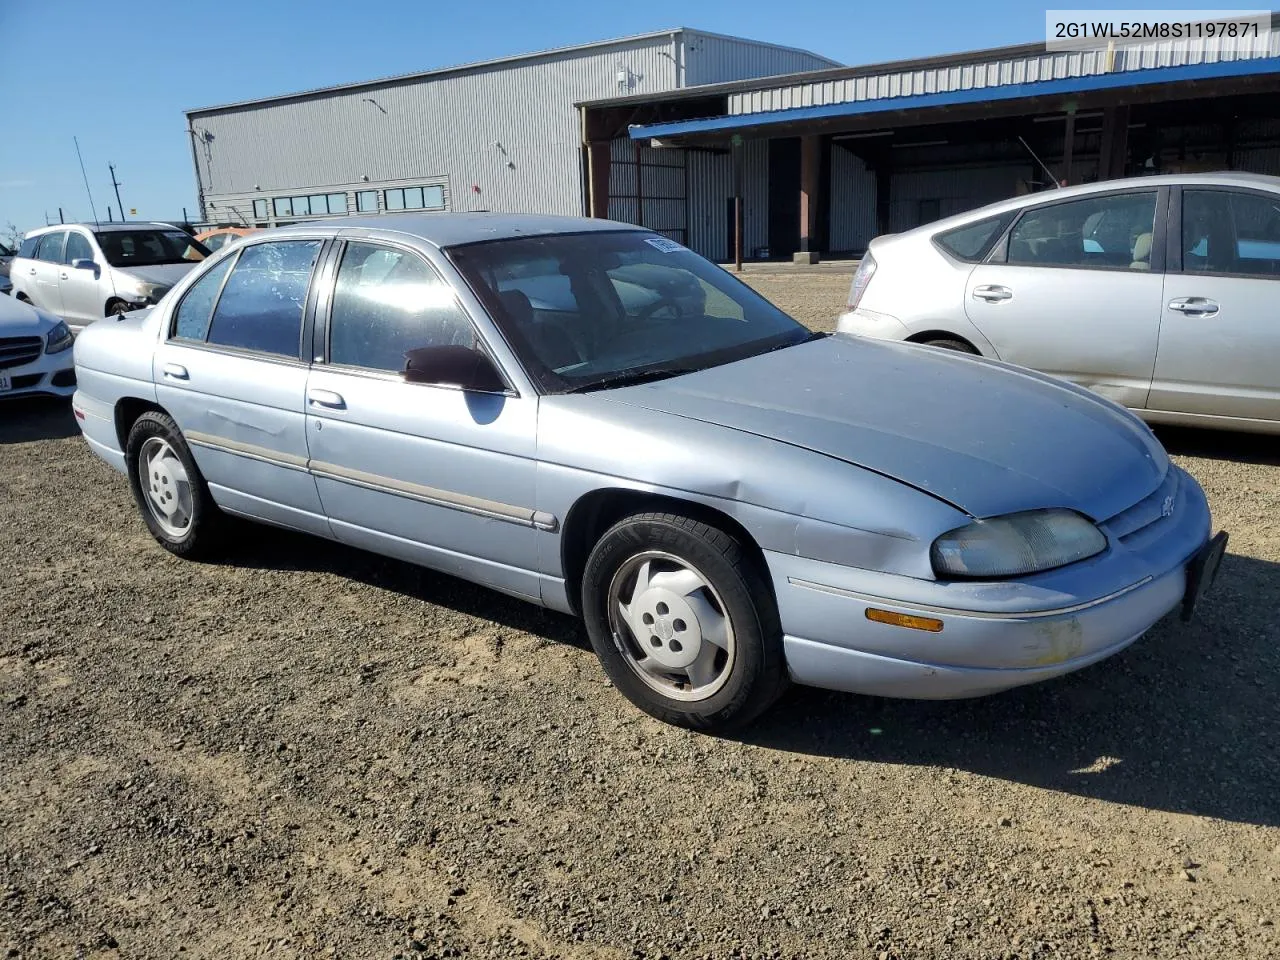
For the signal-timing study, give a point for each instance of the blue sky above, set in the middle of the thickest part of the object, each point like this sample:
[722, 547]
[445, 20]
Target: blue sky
[118, 73]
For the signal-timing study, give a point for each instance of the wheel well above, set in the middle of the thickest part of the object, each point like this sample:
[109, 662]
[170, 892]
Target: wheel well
[597, 511]
[111, 301]
[127, 412]
[942, 335]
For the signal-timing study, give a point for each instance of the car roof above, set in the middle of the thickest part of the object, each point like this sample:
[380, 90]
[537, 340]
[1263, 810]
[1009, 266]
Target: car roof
[102, 227]
[453, 229]
[1225, 178]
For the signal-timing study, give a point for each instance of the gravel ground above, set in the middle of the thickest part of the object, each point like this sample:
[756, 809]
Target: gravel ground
[311, 751]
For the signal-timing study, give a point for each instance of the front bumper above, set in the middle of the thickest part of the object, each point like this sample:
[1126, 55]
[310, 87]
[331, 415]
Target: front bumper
[48, 375]
[1002, 635]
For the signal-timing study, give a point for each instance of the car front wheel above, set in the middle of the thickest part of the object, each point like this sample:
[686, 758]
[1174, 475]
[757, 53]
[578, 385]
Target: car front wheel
[683, 621]
[170, 490]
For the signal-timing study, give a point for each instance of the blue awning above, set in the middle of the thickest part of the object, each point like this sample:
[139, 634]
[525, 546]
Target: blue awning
[1015, 91]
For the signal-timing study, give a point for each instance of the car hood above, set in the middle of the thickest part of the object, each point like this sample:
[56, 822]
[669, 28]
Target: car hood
[166, 274]
[18, 319]
[985, 437]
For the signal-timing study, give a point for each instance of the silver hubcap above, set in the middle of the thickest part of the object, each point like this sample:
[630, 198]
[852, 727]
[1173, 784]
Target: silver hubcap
[670, 626]
[166, 486]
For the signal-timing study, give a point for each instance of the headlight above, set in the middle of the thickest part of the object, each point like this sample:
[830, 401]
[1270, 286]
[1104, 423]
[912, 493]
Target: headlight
[1015, 545]
[148, 293]
[58, 339]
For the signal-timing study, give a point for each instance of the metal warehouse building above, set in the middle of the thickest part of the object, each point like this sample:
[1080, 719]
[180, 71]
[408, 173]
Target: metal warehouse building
[727, 144]
[499, 135]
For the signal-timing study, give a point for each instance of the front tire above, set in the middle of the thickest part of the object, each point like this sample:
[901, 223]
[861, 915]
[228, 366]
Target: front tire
[169, 489]
[683, 621]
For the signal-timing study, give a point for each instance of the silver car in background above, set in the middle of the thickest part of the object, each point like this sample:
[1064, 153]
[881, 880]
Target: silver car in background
[1158, 293]
[82, 272]
[589, 416]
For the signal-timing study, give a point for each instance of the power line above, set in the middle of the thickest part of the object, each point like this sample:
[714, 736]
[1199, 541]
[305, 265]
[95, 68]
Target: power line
[86, 180]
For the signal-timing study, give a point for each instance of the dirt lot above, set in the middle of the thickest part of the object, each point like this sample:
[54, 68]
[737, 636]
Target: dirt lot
[310, 751]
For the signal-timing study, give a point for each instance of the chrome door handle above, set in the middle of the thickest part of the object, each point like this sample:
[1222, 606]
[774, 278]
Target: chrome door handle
[992, 293]
[1195, 306]
[326, 398]
[176, 371]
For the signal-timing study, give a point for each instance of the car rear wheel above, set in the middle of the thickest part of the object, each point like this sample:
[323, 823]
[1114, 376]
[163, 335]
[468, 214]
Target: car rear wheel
[947, 343]
[170, 490]
[117, 308]
[683, 621]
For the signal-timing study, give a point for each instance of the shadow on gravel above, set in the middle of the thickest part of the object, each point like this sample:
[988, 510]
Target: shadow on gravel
[1186, 720]
[28, 419]
[284, 550]
[1257, 448]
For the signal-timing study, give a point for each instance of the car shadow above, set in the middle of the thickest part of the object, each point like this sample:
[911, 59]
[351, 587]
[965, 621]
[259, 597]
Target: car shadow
[1259, 448]
[29, 419]
[1186, 720]
[286, 550]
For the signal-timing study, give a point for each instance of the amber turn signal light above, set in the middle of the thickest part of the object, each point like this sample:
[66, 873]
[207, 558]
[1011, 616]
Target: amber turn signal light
[904, 620]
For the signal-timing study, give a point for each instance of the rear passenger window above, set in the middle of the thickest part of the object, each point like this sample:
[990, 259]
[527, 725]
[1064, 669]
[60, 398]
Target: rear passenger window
[28, 249]
[388, 302]
[50, 249]
[261, 304]
[191, 321]
[1110, 232]
[1230, 233]
[971, 242]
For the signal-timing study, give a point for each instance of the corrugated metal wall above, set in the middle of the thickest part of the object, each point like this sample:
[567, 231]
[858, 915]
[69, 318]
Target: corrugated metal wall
[509, 129]
[710, 58]
[651, 178]
[922, 196]
[524, 155]
[1029, 69]
[853, 202]
[711, 186]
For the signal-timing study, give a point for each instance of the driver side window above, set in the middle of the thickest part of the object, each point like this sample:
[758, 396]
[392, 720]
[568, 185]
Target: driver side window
[387, 302]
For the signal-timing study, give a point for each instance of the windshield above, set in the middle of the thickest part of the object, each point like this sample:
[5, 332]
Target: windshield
[147, 248]
[598, 309]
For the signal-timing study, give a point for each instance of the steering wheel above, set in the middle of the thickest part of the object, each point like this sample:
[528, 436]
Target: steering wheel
[647, 312]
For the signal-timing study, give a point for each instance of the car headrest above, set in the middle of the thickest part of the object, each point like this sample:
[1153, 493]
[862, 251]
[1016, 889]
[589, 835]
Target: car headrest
[517, 305]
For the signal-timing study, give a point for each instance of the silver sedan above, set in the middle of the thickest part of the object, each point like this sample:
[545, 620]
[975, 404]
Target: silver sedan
[1156, 292]
[590, 417]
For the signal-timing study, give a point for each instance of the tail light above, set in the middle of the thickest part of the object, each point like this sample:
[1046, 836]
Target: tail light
[861, 280]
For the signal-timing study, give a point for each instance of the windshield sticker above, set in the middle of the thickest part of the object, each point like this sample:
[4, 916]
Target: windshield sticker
[663, 244]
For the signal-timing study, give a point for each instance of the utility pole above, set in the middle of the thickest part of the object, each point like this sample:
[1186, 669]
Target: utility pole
[116, 183]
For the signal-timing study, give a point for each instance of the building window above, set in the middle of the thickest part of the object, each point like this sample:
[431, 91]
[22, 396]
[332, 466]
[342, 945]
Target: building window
[316, 205]
[415, 198]
[260, 209]
[367, 201]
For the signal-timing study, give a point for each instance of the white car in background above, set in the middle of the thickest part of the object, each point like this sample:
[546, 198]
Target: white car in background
[84, 272]
[1156, 292]
[35, 352]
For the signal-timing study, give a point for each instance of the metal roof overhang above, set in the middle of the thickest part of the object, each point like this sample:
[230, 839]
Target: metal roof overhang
[1135, 86]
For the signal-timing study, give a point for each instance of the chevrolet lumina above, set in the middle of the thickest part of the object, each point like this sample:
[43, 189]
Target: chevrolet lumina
[591, 417]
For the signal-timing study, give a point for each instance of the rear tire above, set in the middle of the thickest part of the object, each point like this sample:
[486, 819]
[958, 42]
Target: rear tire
[947, 343]
[169, 489]
[684, 622]
[117, 308]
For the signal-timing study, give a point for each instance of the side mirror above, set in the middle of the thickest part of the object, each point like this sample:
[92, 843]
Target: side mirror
[453, 366]
[85, 264]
